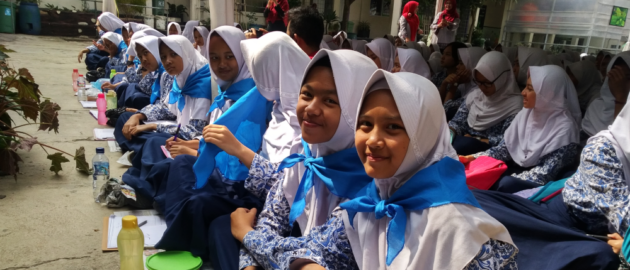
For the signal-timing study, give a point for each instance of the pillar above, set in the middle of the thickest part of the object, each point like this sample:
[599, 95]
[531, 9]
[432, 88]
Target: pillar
[221, 13]
[396, 12]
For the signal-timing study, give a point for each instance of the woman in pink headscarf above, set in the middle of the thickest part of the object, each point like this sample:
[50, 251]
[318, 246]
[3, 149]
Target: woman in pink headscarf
[275, 15]
[409, 23]
[445, 25]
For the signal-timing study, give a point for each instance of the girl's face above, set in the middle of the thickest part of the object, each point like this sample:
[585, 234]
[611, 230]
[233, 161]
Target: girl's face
[373, 56]
[448, 5]
[381, 139]
[198, 38]
[172, 30]
[397, 66]
[529, 95]
[318, 109]
[447, 60]
[222, 60]
[487, 87]
[173, 63]
[112, 49]
[146, 58]
[126, 37]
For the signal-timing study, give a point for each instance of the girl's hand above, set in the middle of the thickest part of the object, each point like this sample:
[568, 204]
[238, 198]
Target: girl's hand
[131, 110]
[130, 126]
[106, 85]
[142, 128]
[170, 142]
[466, 159]
[243, 221]
[616, 242]
[180, 149]
[223, 138]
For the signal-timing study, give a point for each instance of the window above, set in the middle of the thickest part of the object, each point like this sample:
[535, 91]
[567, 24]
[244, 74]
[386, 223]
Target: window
[380, 7]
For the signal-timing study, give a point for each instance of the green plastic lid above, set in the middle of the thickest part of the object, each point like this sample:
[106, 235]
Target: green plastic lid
[174, 260]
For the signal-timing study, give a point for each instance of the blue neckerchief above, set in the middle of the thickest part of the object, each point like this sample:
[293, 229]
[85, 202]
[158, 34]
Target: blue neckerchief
[121, 46]
[441, 183]
[156, 87]
[342, 173]
[198, 85]
[234, 92]
[136, 61]
[118, 31]
[246, 119]
[625, 248]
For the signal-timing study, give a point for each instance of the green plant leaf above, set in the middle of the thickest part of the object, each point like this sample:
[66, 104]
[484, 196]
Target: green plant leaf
[9, 162]
[4, 49]
[82, 164]
[49, 116]
[57, 159]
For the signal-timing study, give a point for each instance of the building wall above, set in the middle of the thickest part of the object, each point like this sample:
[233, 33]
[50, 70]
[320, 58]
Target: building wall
[360, 11]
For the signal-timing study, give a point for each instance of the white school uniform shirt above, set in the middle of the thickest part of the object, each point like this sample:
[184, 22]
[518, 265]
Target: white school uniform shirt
[444, 237]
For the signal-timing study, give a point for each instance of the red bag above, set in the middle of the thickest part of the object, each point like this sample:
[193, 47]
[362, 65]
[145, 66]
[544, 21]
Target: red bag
[483, 172]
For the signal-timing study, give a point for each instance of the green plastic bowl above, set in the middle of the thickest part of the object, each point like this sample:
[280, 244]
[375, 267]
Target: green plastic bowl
[174, 260]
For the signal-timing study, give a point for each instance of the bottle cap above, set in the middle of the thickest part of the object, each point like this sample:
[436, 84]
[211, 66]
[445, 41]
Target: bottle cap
[129, 222]
[75, 70]
[101, 95]
[100, 150]
[80, 75]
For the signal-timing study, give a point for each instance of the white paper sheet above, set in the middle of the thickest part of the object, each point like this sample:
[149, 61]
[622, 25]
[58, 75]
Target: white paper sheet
[88, 104]
[94, 114]
[103, 134]
[152, 230]
[113, 146]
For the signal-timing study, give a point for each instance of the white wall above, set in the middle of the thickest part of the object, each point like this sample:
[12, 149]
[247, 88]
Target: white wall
[360, 11]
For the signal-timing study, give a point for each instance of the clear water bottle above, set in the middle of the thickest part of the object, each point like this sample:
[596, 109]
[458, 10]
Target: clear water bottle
[130, 244]
[81, 88]
[100, 163]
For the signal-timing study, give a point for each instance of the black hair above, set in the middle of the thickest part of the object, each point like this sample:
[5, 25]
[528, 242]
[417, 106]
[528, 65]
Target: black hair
[620, 62]
[455, 48]
[308, 24]
[324, 62]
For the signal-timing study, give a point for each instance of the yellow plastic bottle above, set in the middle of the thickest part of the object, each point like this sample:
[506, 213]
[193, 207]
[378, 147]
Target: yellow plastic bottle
[112, 101]
[130, 244]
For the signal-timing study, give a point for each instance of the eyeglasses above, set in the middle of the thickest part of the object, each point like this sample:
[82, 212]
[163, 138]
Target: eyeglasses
[488, 84]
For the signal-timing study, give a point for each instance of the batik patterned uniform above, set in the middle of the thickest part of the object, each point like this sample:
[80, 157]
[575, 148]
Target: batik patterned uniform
[459, 124]
[547, 168]
[133, 75]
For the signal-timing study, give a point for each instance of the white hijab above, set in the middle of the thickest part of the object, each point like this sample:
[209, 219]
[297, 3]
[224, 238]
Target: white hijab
[177, 26]
[385, 51]
[435, 62]
[151, 43]
[359, 46]
[484, 111]
[205, 34]
[141, 34]
[529, 57]
[443, 237]
[233, 37]
[113, 37]
[551, 124]
[511, 53]
[411, 61]
[193, 61]
[351, 71]
[470, 57]
[188, 30]
[328, 43]
[588, 80]
[619, 134]
[601, 111]
[110, 22]
[277, 63]
[425, 50]
[135, 27]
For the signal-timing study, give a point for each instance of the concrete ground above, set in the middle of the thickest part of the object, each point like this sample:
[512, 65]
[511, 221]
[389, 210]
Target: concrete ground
[50, 221]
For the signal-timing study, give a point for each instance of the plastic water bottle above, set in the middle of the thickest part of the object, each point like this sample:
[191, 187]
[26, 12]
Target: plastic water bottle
[112, 101]
[100, 163]
[75, 76]
[130, 244]
[112, 73]
[81, 88]
[101, 104]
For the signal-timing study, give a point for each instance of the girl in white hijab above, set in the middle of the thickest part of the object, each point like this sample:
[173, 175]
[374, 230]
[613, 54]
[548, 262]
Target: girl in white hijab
[307, 198]
[469, 57]
[359, 46]
[586, 80]
[110, 22]
[117, 49]
[489, 109]
[528, 57]
[410, 60]
[328, 42]
[201, 34]
[544, 138]
[601, 112]
[414, 215]
[188, 30]
[382, 52]
[174, 29]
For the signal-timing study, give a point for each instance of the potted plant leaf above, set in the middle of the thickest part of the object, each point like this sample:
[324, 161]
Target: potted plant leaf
[363, 29]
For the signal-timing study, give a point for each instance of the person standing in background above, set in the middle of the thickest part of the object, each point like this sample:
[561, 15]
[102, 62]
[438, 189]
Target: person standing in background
[445, 25]
[275, 15]
[409, 23]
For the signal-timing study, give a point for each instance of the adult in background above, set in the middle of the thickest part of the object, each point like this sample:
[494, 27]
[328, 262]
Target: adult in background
[409, 23]
[275, 15]
[445, 25]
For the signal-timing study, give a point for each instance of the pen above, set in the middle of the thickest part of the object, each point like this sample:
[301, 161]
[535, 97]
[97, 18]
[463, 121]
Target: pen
[177, 132]
[600, 237]
[142, 224]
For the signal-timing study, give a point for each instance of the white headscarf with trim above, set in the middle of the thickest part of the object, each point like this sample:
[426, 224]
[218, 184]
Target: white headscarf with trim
[177, 26]
[141, 34]
[385, 51]
[233, 37]
[110, 21]
[193, 60]
[203, 31]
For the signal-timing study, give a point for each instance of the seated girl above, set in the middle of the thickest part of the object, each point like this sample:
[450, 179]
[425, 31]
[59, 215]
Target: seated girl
[189, 212]
[201, 34]
[174, 29]
[543, 140]
[410, 60]
[188, 101]
[456, 94]
[96, 54]
[417, 213]
[117, 49]
[313, 182]
[189, 29]
[382, 52]
[586, 80]
[600, 113]
[489, 110]
[594, 200]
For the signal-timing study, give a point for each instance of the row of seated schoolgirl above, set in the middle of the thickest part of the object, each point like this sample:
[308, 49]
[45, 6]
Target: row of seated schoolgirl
[313, 157]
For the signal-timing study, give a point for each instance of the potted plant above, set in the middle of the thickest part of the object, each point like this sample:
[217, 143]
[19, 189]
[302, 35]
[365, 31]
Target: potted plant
[330, 17]
[177, 11]
[363, 29]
